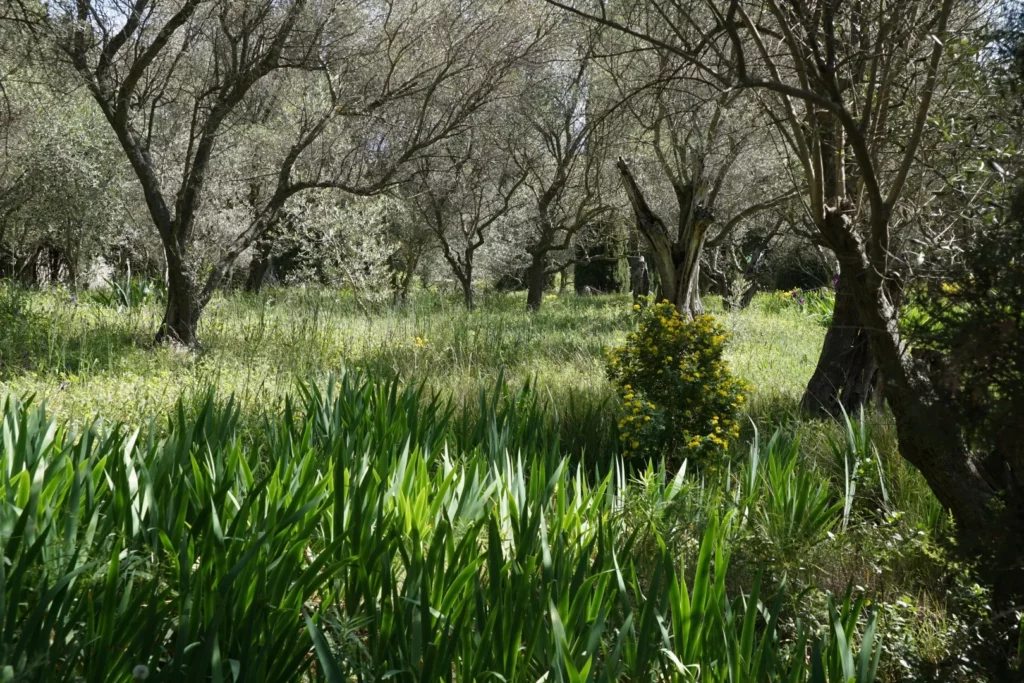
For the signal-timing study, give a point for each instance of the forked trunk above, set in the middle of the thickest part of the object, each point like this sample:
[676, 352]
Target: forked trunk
[843, 378]
[677, 261]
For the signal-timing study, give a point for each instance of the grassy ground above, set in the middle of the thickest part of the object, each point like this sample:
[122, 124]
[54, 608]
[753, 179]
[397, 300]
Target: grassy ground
[85, 358]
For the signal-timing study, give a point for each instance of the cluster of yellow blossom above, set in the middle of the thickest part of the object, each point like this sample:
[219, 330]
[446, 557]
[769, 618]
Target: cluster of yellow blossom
[674, 384]
[420, 341]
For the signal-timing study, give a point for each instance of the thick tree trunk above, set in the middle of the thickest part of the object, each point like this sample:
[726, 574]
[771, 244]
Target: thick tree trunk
[843, 378]
[536, 279]
[986, 501]
[694, 303]
[676, 260]
[184, 305]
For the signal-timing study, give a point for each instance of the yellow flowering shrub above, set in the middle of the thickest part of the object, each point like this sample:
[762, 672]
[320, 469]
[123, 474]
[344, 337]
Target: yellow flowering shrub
[677, 394]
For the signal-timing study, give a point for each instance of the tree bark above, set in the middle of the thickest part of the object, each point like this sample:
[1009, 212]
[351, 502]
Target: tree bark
[184, 305]
[467, 291]
[986, 502]
[676, 260]
[843, 378]
[536, 279]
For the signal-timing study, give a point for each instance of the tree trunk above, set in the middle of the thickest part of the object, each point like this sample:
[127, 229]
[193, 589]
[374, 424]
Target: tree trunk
[405, 287]
[467, 291]
[846, 367]
[639, 277]
[563, 281]
[258, 268]
[184, 305]
[677, 261]
[536, 278]
[749, 293]
[987, 502]
[696, 306]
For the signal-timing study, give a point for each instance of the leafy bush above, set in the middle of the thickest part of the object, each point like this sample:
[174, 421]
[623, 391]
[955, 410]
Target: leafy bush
[129, 292]
[819, 305]
[676, 390]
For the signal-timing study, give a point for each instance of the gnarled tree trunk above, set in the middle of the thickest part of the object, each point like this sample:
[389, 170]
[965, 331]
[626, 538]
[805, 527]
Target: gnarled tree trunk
[676, 260]
[985, 498]
[843, 378]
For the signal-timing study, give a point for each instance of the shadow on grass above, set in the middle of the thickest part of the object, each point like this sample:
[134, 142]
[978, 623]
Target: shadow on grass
[65, 337]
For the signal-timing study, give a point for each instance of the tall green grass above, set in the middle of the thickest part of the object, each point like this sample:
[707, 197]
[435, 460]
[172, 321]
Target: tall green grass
[374, 532]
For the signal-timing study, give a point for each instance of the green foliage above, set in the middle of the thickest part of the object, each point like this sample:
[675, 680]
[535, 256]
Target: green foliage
[129, 292]
[799, 510]
[817, 305]
[675, 386]
[973, 321]
[357, 540]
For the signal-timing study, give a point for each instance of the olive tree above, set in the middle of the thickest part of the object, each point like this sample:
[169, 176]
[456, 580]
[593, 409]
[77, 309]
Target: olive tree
[462, 191]
[566, 119]
[852, 85]
[368, 85]
[696, 165]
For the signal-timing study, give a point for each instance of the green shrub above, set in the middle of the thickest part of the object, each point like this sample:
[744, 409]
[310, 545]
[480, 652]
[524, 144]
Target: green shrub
[676, 390]
[129, 292]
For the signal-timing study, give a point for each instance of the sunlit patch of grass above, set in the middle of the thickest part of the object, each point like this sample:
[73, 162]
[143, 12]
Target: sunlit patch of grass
[88, 359]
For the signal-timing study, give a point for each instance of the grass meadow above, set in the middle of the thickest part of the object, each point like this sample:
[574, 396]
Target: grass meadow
[419, 493]
[85, 358]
